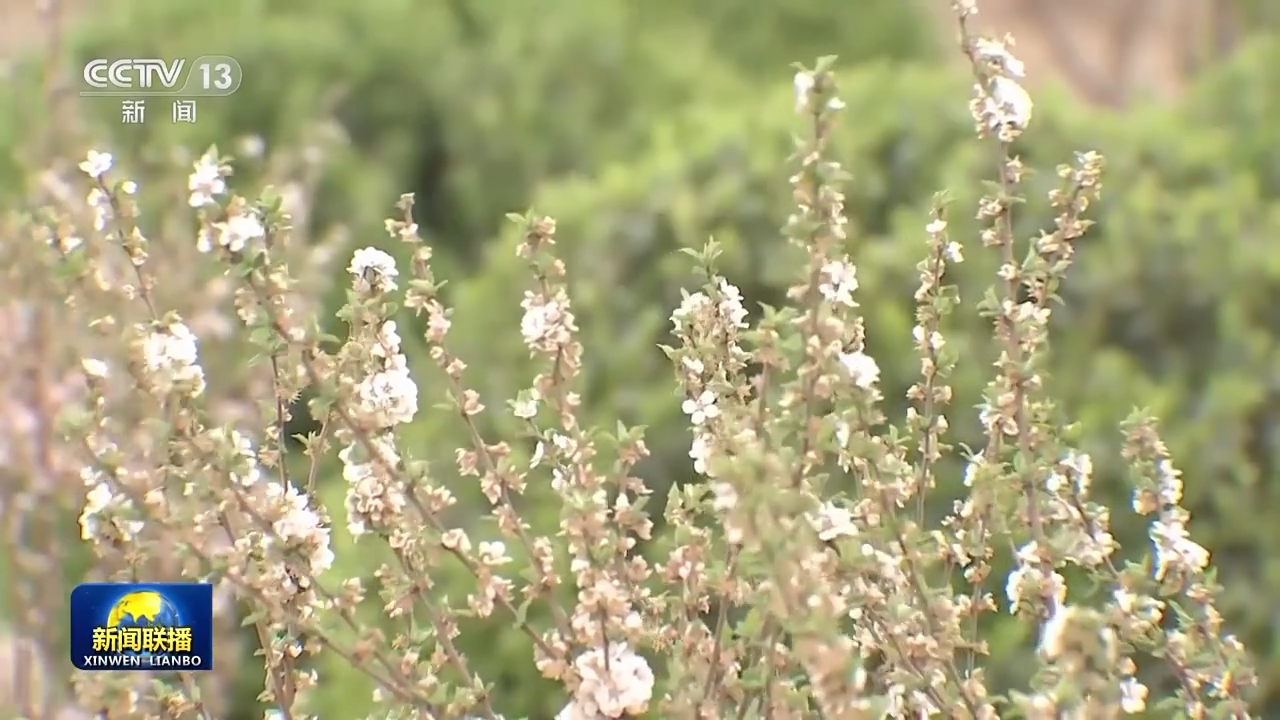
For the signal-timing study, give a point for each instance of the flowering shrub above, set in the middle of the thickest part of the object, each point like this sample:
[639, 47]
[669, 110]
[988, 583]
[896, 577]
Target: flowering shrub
[805, 577]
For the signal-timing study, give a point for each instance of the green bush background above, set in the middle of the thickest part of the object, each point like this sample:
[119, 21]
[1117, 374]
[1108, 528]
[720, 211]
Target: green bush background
[646, 127]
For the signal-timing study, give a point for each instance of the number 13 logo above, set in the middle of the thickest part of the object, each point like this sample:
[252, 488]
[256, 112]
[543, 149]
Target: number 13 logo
[222, 71]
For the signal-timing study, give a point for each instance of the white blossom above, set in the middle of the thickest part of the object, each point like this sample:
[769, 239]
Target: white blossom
[690, 307]
[99, 202]
[547, 323]
[1030, 573]
[97, 164]
[372, 494]
[832, 521]
[1008, 104]
[954, 253]
[389, 397]
[374, 271]
[695, 366]
[998, 53]
[862, 368]
[96, 500]
[724, 497]
[170, 357]
[1175, 551]
[619, 686]
[839, 280]
[456, 539]
[206, 182]
[936, 340]
[233, 234]
[387, 345]
[493, 553]
[702, 408]
[1169, 485]
[700, 451]
[244, 471]
[525, 409]
[1133, 696]
[731, 308]
[1051, 635]
[803, 84]
[94, 368]
[299, 525]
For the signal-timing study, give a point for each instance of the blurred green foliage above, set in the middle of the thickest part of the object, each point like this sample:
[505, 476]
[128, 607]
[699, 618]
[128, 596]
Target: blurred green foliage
[648, 127]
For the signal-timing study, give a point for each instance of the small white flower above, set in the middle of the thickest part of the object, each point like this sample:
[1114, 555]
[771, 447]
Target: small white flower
[831, 521]
[862, 368]
[701, 408]
[689, 308]
[456, 539]
[700, 452]
[493, 553]
[94, 368]
[374, 270]
[803, 84]
[1008, 104]
[237, 231]
[438, 324]
[936, 340]
[97, 499]
[998, 53]
[844, 433]
[547, 324]
[615, 687]
[171, 357]
[389, 397]
[1052, 635]
[1081, 465]
[731, 304]
[953, 253]
[1133, 696]
[97, 164]
[246, 471]
[1027, 564]
[371, 496]
[539, 322]
[100, 203]
[1175, 551]
[206, 182]
[388, 344]
[525, 409]
[839, 280]
[724, 497]
[1170, 484]
[693, 365]
[299, 525]
[174, 344]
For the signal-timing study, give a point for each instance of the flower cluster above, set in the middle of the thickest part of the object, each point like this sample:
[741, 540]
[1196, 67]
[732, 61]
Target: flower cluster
[169, 358]
[614, 683]
[385, 397]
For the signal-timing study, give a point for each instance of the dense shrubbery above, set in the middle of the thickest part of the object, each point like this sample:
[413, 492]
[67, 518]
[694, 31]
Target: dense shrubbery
[650, 132]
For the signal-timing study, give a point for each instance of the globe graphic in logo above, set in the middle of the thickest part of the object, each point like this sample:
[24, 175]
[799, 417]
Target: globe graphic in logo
[143, 609]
